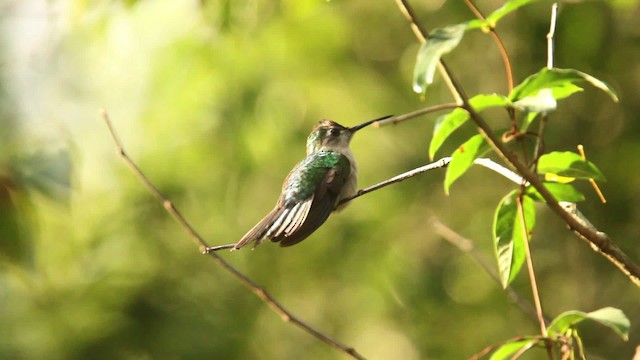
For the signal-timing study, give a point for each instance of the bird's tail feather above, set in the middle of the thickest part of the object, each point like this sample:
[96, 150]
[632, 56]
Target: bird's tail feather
[258, 232]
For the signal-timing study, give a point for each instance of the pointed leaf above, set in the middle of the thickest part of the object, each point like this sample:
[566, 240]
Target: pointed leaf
[542, 101]
[609, 316]
[562, 192]
[505, 351]
[447, 124]
[463, 157]
[508, 239]
[494, 17]
[568, 164]
[439, 42]
[560, 82]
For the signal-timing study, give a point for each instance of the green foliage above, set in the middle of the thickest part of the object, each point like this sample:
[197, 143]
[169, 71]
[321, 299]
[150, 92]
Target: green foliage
[562, 330]
[505, 351]
[447, 124]
[568, 164]
[561, 192]
[214, 101]
[509, 234]
[462, 159]
[439, 42]
[491, 21]
[610, 317]
[560, 82]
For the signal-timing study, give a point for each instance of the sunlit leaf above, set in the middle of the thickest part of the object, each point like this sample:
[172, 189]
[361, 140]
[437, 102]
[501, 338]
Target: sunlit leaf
[508, 239]
[494, 17]
[562, 192]
[557, 178]
[447, 124]
[439, 42]
[569, 164]
[609, 316]
[505, 351]
[462, 158]
[560, 82]
[542, 101]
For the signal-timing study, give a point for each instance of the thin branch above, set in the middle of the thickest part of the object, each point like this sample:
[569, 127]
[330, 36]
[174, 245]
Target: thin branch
[488, 163]
[551, 34]
[466, 246]
[503, 50]
[396, 119]
[531, 271]
[422, 35]
[593, 183]
[538, 150]
[492, 165]
[598, 240]
[434, 165]
[258, 290]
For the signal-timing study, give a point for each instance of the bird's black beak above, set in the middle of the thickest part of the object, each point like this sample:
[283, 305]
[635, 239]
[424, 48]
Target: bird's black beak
[367, 123]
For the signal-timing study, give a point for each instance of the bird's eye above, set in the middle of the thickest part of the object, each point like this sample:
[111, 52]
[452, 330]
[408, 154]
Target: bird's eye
[334, 132]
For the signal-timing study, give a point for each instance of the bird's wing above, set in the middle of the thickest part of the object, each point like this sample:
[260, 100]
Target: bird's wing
[309, 195]
[331, 171]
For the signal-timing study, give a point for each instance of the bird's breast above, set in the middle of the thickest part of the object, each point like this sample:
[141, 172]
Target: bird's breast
[350, 187]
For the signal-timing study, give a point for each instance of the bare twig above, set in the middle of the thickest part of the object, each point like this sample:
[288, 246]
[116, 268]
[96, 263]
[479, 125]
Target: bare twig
[503, 50]
[531, 271]
[600, 242]
[434, 165]
[593, 183]
[465, 245]
[396, 119]
[258, 290]
[443, 162]
[551, 34]
[421, 34]
[488, 163]
[538, 150]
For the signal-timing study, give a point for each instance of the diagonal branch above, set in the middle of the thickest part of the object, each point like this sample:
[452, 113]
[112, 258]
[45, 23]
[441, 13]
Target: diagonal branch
[258, 290]
[598, 240]
[467, 246]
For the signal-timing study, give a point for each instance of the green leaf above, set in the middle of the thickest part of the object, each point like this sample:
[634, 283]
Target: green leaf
[560, 82]
[568, 164]
[508, 239]
[510, 348]
[542, 101]
[609, 316]
[562, 192]
[447, 124]
[495, 16]
[462, 159]
[439, 42]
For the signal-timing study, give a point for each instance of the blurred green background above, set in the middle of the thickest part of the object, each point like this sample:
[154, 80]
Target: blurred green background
[214, 100]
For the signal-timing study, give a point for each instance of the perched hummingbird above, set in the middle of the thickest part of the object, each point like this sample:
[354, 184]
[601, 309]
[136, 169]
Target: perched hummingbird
[314, 187]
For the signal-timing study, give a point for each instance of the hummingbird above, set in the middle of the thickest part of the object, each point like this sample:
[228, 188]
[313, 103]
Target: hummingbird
[313, 189]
